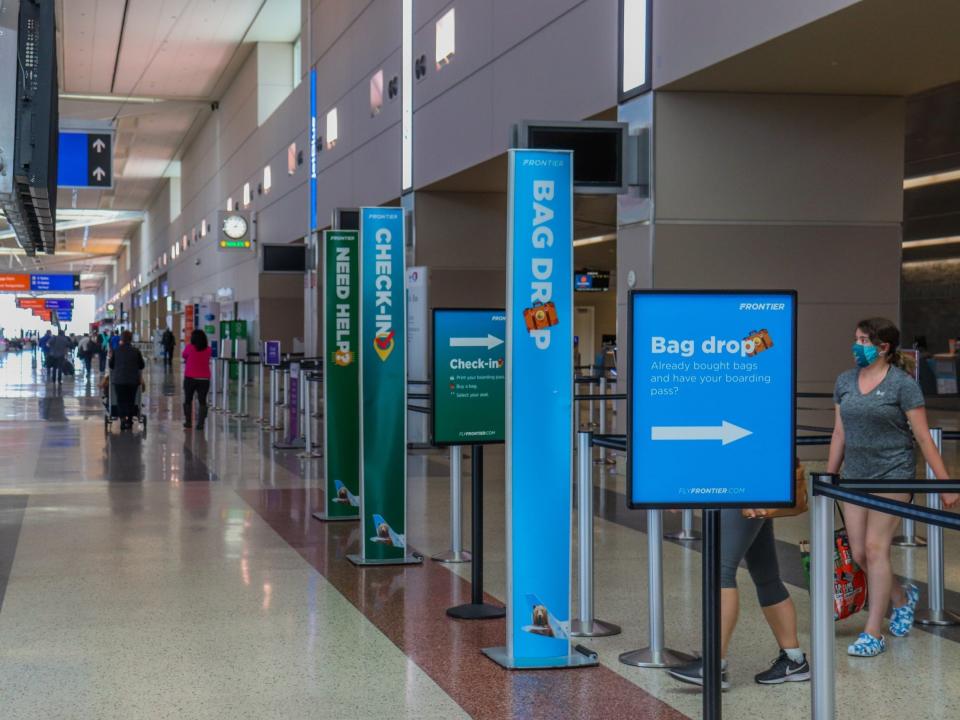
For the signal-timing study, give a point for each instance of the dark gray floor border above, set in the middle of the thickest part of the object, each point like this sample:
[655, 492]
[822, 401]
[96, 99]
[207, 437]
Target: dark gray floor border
[12, 508]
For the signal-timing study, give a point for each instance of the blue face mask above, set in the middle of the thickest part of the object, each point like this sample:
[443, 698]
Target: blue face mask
[865, 354]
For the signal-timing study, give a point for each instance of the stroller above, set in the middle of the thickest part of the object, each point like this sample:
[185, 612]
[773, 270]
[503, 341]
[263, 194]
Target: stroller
[111, 411]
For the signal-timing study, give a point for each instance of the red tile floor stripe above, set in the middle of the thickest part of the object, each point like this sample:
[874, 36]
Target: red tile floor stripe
[408, 604]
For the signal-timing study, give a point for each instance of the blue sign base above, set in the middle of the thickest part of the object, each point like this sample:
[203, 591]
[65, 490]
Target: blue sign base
[575, 659]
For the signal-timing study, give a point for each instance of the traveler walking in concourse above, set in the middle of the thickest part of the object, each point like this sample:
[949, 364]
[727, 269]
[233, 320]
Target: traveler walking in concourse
[126, 374]
[167, 342]
[57, 350]
[44, 344]
[880, 414]
[88, 347]
[752, 539]
[196, 377]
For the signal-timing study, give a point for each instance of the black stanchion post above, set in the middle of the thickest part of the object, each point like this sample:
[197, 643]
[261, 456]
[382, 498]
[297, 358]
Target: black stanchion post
[477, 609]
[711, 616]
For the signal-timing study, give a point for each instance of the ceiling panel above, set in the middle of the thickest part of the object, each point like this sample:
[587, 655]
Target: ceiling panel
[179, 48]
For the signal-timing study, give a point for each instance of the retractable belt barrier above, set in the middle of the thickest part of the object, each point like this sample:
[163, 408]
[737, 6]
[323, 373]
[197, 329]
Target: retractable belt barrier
[827, 488]
[307, 387]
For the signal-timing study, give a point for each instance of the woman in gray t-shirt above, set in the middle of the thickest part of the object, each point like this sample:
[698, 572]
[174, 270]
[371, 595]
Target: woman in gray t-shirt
[880, 414]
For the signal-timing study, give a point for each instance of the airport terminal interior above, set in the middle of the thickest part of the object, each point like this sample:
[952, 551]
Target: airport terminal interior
[488, 359]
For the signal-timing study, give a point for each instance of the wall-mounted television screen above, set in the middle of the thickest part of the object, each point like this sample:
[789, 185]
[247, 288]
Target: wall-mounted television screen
[591, 280]
[284, 258]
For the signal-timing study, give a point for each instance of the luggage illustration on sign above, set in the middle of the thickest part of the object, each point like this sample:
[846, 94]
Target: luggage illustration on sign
[541, 316]
[761, 341]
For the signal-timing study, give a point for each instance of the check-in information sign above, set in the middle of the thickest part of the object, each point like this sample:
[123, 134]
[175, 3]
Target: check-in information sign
[341, 387]
[383, 385]
[713, 387]
[468, 376]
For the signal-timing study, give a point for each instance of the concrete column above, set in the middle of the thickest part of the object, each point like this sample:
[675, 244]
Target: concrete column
[781, 192]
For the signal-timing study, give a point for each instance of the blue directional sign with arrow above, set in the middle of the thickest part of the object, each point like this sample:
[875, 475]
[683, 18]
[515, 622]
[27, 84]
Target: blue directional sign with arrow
[85, 160]
[712, 382]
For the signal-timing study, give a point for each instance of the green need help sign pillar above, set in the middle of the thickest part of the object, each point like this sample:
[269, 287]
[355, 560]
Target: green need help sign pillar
[341, 387]
[383, 389]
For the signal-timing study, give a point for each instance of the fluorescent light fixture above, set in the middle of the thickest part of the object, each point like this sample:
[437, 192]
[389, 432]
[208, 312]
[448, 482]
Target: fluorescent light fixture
[267, 180]
[246, 194]
[942, 261]
[203, 228]
[596, 240]
[112, 98]
[291, 158]
[406, 115]
[952, 240]
[446, 38]
[935, 179]
[376, 93]
[333, 130]
[229, 204]
[183, 241]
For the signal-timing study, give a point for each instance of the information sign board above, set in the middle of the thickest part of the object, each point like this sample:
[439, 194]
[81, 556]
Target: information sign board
[54, 283]
[469, 376]
[271, 353]
[539, 410]
[383, 386]
[85, 160]
[712, 410]
[341, 387]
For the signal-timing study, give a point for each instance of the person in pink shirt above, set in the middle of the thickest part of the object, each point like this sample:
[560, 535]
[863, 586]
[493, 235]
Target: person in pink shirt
[196, 377]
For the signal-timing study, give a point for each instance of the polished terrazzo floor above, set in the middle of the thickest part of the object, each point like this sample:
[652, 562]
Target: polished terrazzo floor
[180, 575]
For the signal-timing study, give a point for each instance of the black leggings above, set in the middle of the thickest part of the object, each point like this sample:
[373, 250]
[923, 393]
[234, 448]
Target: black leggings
[198, 387]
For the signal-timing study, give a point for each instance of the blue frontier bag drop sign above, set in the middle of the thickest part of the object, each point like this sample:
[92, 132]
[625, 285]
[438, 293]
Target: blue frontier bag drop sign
[539, 422]
[713, 388]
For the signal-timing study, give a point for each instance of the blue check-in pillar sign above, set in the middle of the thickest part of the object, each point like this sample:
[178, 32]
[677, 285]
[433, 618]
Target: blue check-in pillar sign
[713, 387]
[539, 400]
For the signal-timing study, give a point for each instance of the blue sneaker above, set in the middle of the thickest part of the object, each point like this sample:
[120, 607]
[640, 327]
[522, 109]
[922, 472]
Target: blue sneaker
[901, 621]
[867, 646]
[913, 595]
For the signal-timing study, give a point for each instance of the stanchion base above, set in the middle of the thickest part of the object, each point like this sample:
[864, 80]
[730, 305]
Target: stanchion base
[909, 542]
[573, 660]
[312, 455]
[597, 628]
[477, 611]
[360, 561]
[451, 557]
[289, 446]
[939, 618]
[648, 658]
[323, 517]
[682, 536]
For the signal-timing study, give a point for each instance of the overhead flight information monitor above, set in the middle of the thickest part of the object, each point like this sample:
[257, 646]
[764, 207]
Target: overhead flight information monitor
[713, 387]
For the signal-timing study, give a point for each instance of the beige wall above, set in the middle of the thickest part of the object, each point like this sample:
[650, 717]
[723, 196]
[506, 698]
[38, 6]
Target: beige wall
[690, 35]
[777, 192]
[280, 309]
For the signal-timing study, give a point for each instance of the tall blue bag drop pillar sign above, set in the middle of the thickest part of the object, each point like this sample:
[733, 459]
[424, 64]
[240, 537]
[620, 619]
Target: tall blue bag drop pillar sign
[539, 412]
